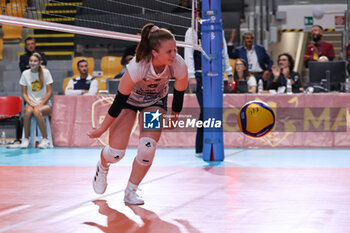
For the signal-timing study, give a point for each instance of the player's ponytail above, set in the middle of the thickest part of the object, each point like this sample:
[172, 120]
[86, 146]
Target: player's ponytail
[143, 49]
[151, 36]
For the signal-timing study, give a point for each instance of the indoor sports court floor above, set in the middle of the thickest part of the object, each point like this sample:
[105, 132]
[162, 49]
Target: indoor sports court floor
[252, 191]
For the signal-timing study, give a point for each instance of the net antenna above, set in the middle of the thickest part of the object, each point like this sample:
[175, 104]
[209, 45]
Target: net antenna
[112, 19]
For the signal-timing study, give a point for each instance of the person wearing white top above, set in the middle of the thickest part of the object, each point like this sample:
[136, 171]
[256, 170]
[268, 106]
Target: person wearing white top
[36, 85]
[242, 75]
[258, 60]
[143, 87]
[83, 84]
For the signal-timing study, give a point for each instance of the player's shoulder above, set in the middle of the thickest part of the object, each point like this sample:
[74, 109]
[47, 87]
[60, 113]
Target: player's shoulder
[138, 65]
[179, 61]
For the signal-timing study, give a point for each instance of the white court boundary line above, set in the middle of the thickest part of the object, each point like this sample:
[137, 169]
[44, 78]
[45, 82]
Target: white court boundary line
[82, 203]
[236, 153]
[75, 29]
[15, 209]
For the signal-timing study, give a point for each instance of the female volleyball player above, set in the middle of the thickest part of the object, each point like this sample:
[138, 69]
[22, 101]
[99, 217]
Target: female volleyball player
[144, 84]
[36, 85]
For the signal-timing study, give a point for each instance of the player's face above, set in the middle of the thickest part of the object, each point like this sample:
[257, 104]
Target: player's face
[166, 52]
[83, 68]
[33, 63]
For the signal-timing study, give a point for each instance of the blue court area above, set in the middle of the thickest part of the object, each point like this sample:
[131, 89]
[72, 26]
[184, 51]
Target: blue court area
[234, 157]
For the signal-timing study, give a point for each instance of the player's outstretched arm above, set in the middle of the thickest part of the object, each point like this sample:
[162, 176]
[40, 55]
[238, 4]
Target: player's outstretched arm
[124, 90]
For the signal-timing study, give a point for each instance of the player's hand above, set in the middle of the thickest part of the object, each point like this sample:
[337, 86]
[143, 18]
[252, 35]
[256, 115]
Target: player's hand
[233, 35]
[276, 72]
[94, 133]
[265, 75]
[286, 72]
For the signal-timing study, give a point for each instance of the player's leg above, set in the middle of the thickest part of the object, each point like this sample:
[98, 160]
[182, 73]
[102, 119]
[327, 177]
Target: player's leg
[28, 112]
[145, 153]
[119, 134]
[39, 116]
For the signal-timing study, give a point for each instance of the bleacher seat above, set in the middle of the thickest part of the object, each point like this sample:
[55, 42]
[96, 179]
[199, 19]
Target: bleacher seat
[2, 6]
[233, 64]
[23, 3]
[65, 83]
[13, 32]
[111, 66]
[1, 47]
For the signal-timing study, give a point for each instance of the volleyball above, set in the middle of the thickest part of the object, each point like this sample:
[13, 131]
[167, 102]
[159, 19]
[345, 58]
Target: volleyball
[256, 119]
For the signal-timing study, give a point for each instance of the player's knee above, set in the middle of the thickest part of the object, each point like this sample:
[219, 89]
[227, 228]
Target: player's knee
[112, 155]
[146, 150]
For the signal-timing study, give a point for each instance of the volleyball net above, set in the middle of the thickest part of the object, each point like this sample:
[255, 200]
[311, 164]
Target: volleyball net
[112, 19]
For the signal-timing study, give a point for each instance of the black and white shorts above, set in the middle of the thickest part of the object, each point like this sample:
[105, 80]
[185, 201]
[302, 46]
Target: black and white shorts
[163, 103]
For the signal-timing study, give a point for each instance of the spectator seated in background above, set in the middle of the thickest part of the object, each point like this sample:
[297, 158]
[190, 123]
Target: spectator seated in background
[36, 91]
[83, 84]
[30, 48]
[280, 75]
[127, 60]
[259, 62]
[128, 54]
[319, 48]
[244, 81]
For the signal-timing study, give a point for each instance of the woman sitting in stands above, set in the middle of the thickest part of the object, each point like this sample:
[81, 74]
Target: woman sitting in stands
[244, 81]
[36, 85]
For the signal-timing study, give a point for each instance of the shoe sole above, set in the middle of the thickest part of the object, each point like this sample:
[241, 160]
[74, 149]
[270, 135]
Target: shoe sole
[129, 203]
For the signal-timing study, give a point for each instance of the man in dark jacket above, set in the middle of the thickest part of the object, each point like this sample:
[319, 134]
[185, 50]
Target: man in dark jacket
[30, 49]
[259, 62]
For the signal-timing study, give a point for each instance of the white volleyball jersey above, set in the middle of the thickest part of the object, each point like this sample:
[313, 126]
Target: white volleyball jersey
[149, 86]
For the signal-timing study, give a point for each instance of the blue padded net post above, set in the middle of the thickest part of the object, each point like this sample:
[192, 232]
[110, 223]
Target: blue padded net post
[213, 146]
